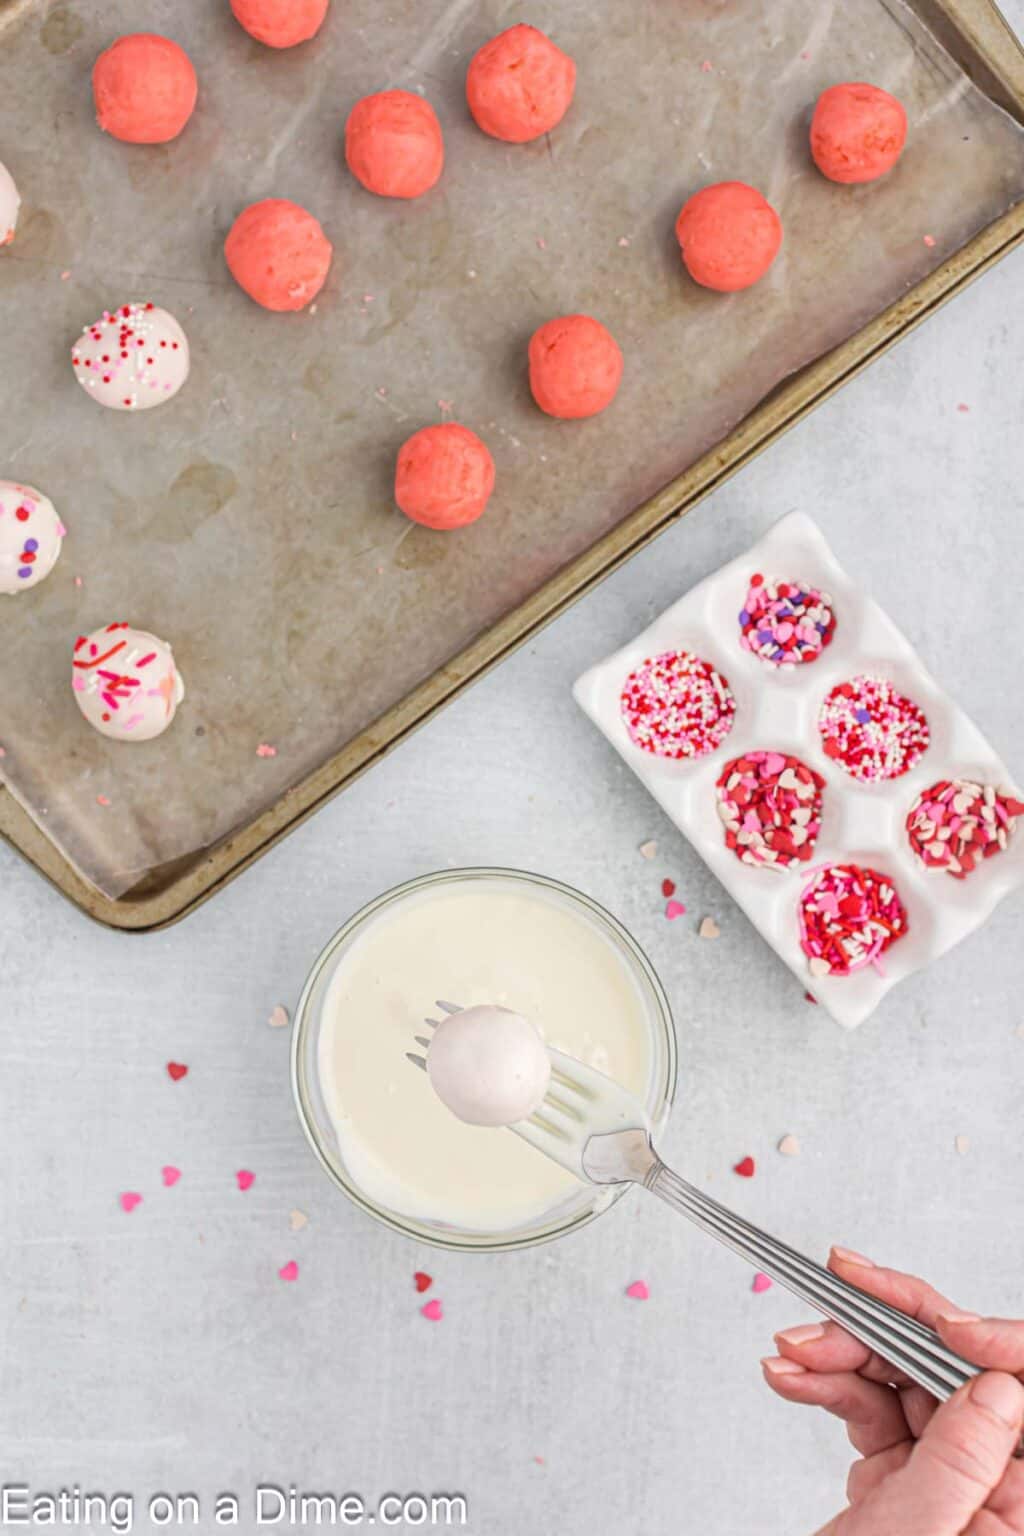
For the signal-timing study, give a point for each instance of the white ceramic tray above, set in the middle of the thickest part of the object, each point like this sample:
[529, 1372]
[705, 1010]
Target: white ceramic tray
[778, 709]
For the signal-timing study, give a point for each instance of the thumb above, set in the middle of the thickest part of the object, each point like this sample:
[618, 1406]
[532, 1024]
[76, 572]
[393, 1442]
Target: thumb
[958, 1461]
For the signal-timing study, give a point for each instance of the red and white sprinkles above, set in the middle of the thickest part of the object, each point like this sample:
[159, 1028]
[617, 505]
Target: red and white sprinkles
[871, 730]
[770, 807]
[786, 623]
[676, 705]
[955, 824]
[30, 537]
[132, 357]
[126, 682]
[848, 918]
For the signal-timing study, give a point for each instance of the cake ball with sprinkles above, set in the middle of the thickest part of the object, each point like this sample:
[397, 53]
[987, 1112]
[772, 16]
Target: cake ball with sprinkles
[677, 706]
[954, 825]
[849, 916]
[132, 357]
[786, 623]
[769, 804]
[871, 730]
[31, 535]
[126, 682]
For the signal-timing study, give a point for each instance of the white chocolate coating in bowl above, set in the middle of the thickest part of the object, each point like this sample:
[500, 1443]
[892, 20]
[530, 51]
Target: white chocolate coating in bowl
[132, 358]
[31, 535]
[10, 202]
[126, 682]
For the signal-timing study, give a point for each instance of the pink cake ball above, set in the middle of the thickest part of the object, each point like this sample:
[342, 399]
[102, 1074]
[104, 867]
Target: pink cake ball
[394, 145]
[519, 85]
[575, 367]
[145, 89]
[278, 253]
[280, 23]
[857, 133]
[729, 236]
[444, 476]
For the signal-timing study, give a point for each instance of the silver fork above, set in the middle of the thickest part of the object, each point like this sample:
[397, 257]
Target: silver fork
[602, 1134]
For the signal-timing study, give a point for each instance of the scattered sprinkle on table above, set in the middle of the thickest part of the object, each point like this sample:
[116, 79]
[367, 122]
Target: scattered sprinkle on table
[770, 804]
[639, 1290]
[176, 1070]
[789, 1146]
[279, 1017]
[129, 1200]
[245, 1179]
[677, 706]
[760, 1283]
[872, 731]
[170, 1175]
[668, 887]
[746, 1167]
[102, 800]
[674, 909]
[708, 929]
[266, 750]
[957, 823]
[433, 1311]
[849, 916]
[624, 240]
[962, 1144]
[786, 623]
[422, 1281]
[649, 849]
[297, 1220]
[929, 240]
[963, 409]
[289, 1272]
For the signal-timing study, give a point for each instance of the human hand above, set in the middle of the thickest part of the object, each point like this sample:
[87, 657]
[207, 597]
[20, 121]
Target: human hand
[925, 1469]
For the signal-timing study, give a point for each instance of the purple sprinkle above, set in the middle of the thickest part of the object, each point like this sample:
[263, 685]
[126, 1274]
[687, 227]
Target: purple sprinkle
[25, 572]
[764, 635]
[862, 716]
[744, 618]
[32, 544]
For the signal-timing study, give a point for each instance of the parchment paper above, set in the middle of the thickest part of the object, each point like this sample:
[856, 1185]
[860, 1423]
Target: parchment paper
[250, 521]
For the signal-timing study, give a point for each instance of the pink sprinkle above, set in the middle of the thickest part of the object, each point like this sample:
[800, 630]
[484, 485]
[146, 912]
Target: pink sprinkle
[102, 800]
[638, 1290]
[64, 276]
[805, 55]
[624, 240]
[963, 409]
[929, 240]
[3, 751]
[290, 1271]
[539, 1460]
[542, 245]
[381, 392]
[445, 406]
[266, 750]
[761, 1283]
[674, 909]
[707, 67]
[129, 1200]
[433, 1311]
[78, 581]
[245, 1179]
[170, 1175]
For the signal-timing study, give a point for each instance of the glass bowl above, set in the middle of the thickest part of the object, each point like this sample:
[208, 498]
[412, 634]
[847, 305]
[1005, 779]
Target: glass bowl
[583, 1205]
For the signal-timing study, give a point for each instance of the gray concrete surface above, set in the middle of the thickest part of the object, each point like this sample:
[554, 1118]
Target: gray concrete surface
[159, 1351]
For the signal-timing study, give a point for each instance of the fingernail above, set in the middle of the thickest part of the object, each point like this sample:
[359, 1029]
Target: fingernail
[849, 1257]
[954, 1315]
[1001, 1394]
[802, 1335]
[775, 1366]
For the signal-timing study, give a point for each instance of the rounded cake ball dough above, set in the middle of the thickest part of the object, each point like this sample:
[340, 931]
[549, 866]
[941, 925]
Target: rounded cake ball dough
[280, 23]
[394, 145]
[132, 357]
[729, 236]
[10, 202]
[125, 682]
[519, 85]
[575, 367]
[857, 132]
[444, 476]
[279, 254]
[488, 1065]
[145, 89]
[31, 534]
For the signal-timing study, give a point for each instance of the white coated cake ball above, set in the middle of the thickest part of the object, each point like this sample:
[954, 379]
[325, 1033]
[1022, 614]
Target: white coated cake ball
[30, 537]
[488, 1065]
[10, 202]
[125, 682]
[131, 358]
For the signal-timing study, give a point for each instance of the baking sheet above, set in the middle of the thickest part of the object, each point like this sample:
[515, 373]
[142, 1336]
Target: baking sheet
[250, 520]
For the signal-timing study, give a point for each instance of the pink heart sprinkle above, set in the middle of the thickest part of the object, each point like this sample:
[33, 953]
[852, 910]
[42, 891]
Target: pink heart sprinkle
[129, 1200]
[170, 1175]
[245, 1179]
[638, 1290]
[674, 909]
[433, 1311]
[761, 1283]
[290, 1271]
[266, 750]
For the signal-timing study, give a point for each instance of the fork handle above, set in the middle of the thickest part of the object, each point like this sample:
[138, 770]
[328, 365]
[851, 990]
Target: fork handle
[904, 1342]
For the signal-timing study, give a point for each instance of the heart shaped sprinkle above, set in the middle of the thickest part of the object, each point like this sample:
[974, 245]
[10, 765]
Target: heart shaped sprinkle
[648, 849]
[297, 1220]
[433, 1311]
[745, 1168]
[245, 1179]
[789, 1146]
[708, 929]
[129, 1200]
[422, 1281]
[176, 1070]
[761, 1283]
[279, 1017]
[170, 1175]
[639, 1290]
[290, 1271]
[674, 909]
[668, 887]
[963, 1145]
